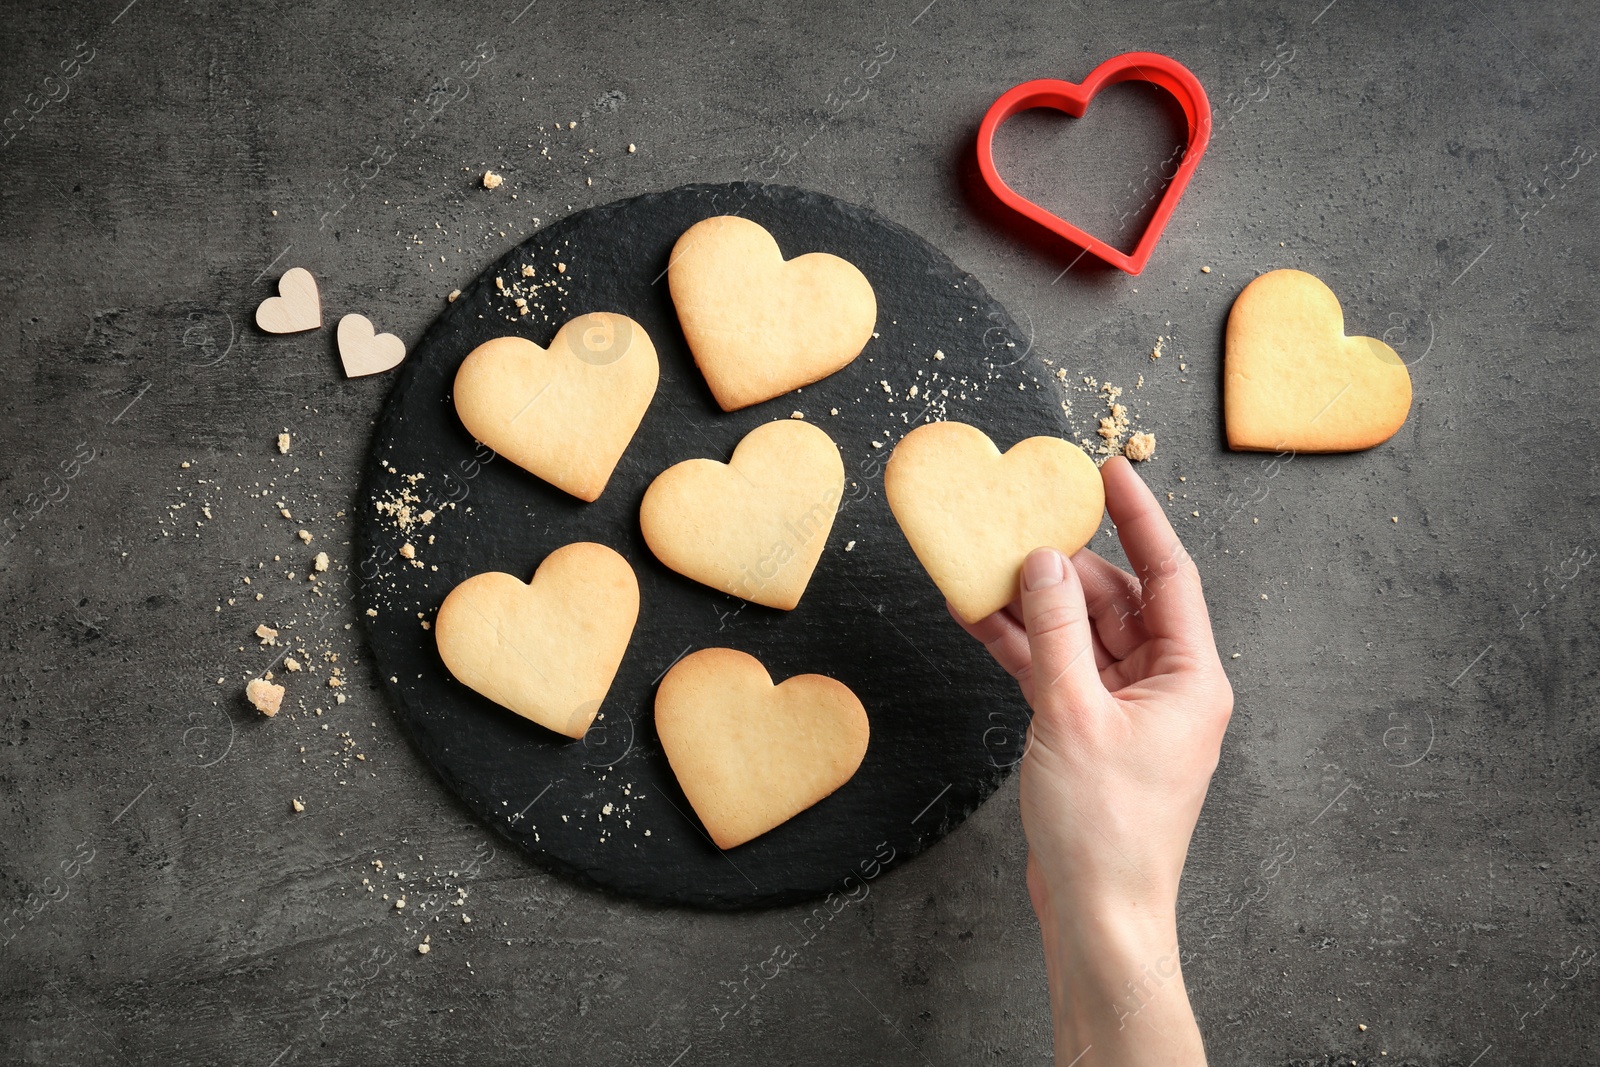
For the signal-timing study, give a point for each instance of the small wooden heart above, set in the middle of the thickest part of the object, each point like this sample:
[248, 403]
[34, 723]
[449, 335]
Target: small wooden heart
[1292, 380]
[548, 648]
[297, 308]
[365, 351]
[751, 755]
[565, 413]
[972, 515]
[756, 525]
[759, 325]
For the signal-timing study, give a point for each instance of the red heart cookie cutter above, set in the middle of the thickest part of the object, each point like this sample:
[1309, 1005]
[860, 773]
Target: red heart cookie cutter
[1074, 99]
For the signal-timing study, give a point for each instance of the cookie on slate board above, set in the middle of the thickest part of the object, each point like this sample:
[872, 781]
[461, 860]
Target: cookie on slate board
[755, 526]
[972, 515]
[548, 648]
[565, 413]
[760, 326]
[750, 755]
[1292, 380]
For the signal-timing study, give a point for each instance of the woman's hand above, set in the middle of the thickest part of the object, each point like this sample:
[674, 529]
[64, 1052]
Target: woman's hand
[1130, 702]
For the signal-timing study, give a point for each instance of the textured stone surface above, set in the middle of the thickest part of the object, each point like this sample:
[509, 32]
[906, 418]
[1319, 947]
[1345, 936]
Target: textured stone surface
[1402, 830]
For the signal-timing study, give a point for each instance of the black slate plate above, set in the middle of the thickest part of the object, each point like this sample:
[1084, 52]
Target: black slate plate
[946, 723]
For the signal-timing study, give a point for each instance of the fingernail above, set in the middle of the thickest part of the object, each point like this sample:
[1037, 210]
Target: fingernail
[1042, 568]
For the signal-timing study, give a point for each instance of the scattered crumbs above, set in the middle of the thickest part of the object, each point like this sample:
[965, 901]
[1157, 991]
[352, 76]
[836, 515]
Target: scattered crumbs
[491, 180]
[283, 443]
[184, 465]
[304, 535]
[1161, 345]
[268, 635]
[1140, 447]
[885, 384]
[849, 546]
[320, 563]
[408, 551]
[297, 804]
[572, 125]
[1264, 596]
[266, 697]
[454, 294]
[937, 354]
[527, 270]
[797, 414]
[291, 664]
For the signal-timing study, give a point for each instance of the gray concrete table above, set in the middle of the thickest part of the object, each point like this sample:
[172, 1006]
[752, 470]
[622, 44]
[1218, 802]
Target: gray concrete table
[1401, 835]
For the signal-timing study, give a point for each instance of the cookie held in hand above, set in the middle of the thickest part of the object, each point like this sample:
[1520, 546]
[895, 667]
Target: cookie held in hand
[759, 325]
[549, 648]
[565, 413]
[972, 515]
[751, 755]
[1292, 380]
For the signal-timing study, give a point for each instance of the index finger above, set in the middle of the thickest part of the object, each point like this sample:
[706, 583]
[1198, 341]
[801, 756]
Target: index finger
[1173, 605]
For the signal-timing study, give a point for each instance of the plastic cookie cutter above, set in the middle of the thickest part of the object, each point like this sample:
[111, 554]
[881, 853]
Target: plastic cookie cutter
[1074, 99]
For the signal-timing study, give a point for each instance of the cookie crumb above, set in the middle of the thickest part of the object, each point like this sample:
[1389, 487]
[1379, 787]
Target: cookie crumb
[321, 562]
[304, 535]
[454, 295]
[561, 268]
[1140, 447]
[849, 546]
[408, 551]
[1161, 346]
[268, 635]
[266, 697]
[527, 270]
[297, 804]
[424, 948]
[797, 414]
[632, 148]
[1394, 518]
[291, 664]
[283, 443]
[491, 180]
[1205, 270]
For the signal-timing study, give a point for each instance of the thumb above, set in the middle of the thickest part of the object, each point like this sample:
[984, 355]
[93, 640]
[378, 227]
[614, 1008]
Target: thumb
[1059, 637]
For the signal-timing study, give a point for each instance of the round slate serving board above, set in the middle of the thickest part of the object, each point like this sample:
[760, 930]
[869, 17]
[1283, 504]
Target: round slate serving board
[946, 723]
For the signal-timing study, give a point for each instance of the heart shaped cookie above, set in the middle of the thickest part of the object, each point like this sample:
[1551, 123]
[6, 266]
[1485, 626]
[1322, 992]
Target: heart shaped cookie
[760, 327]
[548, 648]
[756, 525]
[751, 755]
[565, 413]
[972, 515]
[1293, 381]
[364, 351]
[296, 308]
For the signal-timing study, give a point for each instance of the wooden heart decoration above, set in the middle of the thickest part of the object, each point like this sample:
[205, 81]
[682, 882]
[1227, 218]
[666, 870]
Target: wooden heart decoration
[972, 515]
[296, 308]
[1292, 380]
[549, 648]
[760, 326]
[755, 526]
[564, 413]
[1074, 99]
[364, 351]
[751, 755]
